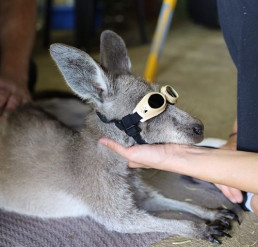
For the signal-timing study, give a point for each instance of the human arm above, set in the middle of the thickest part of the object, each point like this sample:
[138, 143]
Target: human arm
[17, 31]
[233, 194]
[232, 168]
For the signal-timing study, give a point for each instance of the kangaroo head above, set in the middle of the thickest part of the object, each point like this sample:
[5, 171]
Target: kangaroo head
[115, 93]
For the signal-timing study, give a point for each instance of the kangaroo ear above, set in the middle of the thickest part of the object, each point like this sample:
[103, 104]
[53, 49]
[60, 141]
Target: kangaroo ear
[82, 74]
[113, 53]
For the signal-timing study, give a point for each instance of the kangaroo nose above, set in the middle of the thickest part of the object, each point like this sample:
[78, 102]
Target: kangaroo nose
[198, 129]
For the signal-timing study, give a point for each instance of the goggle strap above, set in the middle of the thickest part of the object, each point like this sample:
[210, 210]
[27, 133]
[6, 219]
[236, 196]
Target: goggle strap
[128, 124]
[103, 118]
[128, 121]
[139, 139]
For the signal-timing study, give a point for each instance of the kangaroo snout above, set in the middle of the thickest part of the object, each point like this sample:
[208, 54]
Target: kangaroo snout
[195, 132]
[198, 129]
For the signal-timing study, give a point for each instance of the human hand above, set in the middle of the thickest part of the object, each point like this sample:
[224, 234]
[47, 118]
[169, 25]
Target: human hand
[234, 195]
[13, 92]
[211, 165]
[140, 156]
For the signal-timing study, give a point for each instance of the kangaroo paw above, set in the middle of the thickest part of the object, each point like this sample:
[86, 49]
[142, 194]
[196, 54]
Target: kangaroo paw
[214, 230]
[225, 215]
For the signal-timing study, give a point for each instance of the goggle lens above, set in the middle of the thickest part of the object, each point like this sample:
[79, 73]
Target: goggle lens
[170, 94]
[156, 101]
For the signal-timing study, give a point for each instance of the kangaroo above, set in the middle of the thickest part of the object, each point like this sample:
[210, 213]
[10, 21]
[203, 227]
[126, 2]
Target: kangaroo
[49, 170]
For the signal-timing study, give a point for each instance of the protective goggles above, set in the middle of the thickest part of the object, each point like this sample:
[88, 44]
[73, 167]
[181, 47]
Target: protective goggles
[154, 103]
[151, 105]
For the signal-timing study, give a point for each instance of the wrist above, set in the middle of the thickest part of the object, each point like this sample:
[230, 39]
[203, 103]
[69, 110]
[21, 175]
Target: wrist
[15, 70]
[15, 76]
[182, 158]
[192, 160]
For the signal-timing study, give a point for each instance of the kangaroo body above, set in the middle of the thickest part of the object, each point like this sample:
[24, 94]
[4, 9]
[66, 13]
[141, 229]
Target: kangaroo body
[49, 170]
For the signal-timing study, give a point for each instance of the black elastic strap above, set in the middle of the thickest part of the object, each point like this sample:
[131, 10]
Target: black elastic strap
[128, 124]
[103, 118]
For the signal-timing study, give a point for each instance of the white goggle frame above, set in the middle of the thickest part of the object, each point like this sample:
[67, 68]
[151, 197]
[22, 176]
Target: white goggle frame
[154, 103]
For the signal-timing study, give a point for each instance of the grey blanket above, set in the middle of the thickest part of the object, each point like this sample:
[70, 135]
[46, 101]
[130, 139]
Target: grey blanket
[22, 231]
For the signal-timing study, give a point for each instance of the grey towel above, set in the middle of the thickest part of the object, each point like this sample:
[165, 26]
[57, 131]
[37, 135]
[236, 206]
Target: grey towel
[23, 231]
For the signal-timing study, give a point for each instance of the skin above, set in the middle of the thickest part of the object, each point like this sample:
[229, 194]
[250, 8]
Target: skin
[233, 194]
[235, 169]
[17, 22]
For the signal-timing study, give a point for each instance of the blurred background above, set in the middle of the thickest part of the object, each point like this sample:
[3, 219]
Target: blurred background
[194, 60]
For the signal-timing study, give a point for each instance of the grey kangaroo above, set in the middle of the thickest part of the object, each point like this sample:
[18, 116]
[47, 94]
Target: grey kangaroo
[48, 170]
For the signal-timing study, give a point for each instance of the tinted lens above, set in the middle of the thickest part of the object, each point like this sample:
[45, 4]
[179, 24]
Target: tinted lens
[156, 101]
[171, 92]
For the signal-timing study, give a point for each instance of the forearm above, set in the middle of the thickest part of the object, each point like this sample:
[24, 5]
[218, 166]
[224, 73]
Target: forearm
[233, 168]
[17, 21]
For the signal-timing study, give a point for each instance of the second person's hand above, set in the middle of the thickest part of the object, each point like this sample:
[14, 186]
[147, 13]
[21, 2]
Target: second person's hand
[12, 94]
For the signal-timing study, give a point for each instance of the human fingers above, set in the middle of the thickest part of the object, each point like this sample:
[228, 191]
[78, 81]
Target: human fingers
[237, 194]
[13, 102]
[146, 156]
[4, 95]
[12, 94]
[137, 165]
[121, 150]
[26, 99]
[116, 147]
[234, 195]
[224, 189]
[128, 153]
